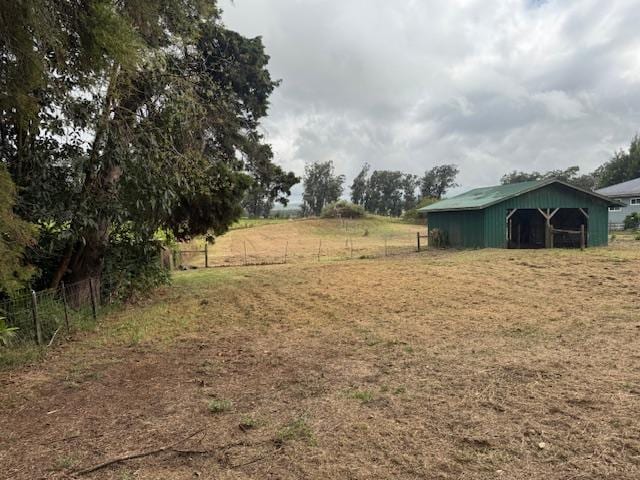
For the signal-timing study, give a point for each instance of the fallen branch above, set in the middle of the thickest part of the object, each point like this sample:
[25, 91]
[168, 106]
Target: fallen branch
[54, 337]
[132, 456]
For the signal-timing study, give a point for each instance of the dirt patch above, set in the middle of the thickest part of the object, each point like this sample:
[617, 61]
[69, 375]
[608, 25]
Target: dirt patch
[462, 365]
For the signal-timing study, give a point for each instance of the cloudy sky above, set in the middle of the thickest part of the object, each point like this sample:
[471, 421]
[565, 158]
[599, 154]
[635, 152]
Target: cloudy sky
[492, 86]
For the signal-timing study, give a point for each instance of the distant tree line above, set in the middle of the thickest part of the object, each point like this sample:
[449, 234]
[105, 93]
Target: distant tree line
[623, 166]
[392, 192]
[381, 192]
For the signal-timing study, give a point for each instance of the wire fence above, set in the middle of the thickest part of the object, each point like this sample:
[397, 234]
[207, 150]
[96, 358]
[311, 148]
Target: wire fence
[46, 316]
[246, 252]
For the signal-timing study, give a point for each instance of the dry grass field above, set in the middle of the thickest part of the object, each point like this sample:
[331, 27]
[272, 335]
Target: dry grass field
[301, 240]
[441, 365]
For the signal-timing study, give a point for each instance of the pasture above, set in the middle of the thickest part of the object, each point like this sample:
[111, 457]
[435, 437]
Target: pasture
[445, 364]
[306, 239]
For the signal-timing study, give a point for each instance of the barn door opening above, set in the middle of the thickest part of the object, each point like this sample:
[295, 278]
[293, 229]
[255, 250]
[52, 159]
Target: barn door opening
[525, 228]
[540, 228]
[570, 228]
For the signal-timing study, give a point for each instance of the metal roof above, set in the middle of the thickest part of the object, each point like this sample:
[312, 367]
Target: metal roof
[484, 197]
[629, 188]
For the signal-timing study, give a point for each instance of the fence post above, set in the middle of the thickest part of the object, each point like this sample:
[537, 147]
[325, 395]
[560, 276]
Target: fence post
[64, 304]
[418, 239]
[93, 300]
[206, 254]
[245, 252]
[36, 320]
[319, 248]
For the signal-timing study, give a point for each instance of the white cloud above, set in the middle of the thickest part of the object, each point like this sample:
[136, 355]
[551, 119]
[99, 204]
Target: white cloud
[490, 85]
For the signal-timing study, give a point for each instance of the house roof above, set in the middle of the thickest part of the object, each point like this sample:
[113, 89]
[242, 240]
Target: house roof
[631, 187]
[484, 197]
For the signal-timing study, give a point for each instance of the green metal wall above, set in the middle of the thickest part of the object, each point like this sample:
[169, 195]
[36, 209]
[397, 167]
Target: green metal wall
[465, 229]
[551, 196]
[487, 228]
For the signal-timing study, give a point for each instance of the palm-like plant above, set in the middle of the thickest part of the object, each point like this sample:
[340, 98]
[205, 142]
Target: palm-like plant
[6, 333]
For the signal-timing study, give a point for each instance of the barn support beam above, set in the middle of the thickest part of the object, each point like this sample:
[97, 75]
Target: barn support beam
[509, 233]
[548, 228]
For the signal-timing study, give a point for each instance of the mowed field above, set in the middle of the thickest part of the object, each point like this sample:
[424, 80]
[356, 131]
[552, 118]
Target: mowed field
[445, 364]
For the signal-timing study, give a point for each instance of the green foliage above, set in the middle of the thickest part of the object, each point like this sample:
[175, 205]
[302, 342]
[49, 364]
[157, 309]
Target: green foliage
[321, 187]
[343, 209]
[129, 116]
[133, 267]
[390, 192]
[413, 216]
[632, 221]
[385, 192]
[437, 181]
[570, 175]
[623, 166]
[219, 406]
[359, 185]
[270, 183]
[6, 333]
[15, 236]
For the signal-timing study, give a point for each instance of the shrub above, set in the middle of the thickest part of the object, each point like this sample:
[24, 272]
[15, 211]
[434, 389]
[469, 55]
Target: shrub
[413, 216]
[438, 238]
[343, 209]
[6, 333]
[632, 221]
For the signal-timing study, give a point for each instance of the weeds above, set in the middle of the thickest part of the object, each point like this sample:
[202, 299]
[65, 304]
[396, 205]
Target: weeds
[297, 429]
[219, 406]
[365, 396]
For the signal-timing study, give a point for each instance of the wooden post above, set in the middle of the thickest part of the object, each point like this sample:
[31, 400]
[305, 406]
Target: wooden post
[582, 241]
[286, 246]
[245, 251]
[93, 300]
[206, 254]
[36, 320]
[64, 304]
[319, 248]
[418, 239]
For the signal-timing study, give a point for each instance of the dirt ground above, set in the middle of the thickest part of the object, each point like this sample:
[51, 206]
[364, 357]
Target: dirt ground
[442, 365]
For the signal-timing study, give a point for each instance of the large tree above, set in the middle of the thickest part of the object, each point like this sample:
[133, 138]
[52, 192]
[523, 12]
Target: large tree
[15, 236]
[124, 118]
[359, 185]
[390, 192]
[321, 187]
[437, 181]
[623, 166]
[270, 183]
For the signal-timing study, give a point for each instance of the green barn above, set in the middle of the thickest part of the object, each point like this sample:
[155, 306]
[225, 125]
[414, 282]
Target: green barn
[538, 214]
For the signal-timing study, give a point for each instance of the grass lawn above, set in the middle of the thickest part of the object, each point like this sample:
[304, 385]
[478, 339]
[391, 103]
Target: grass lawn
[473, 364]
